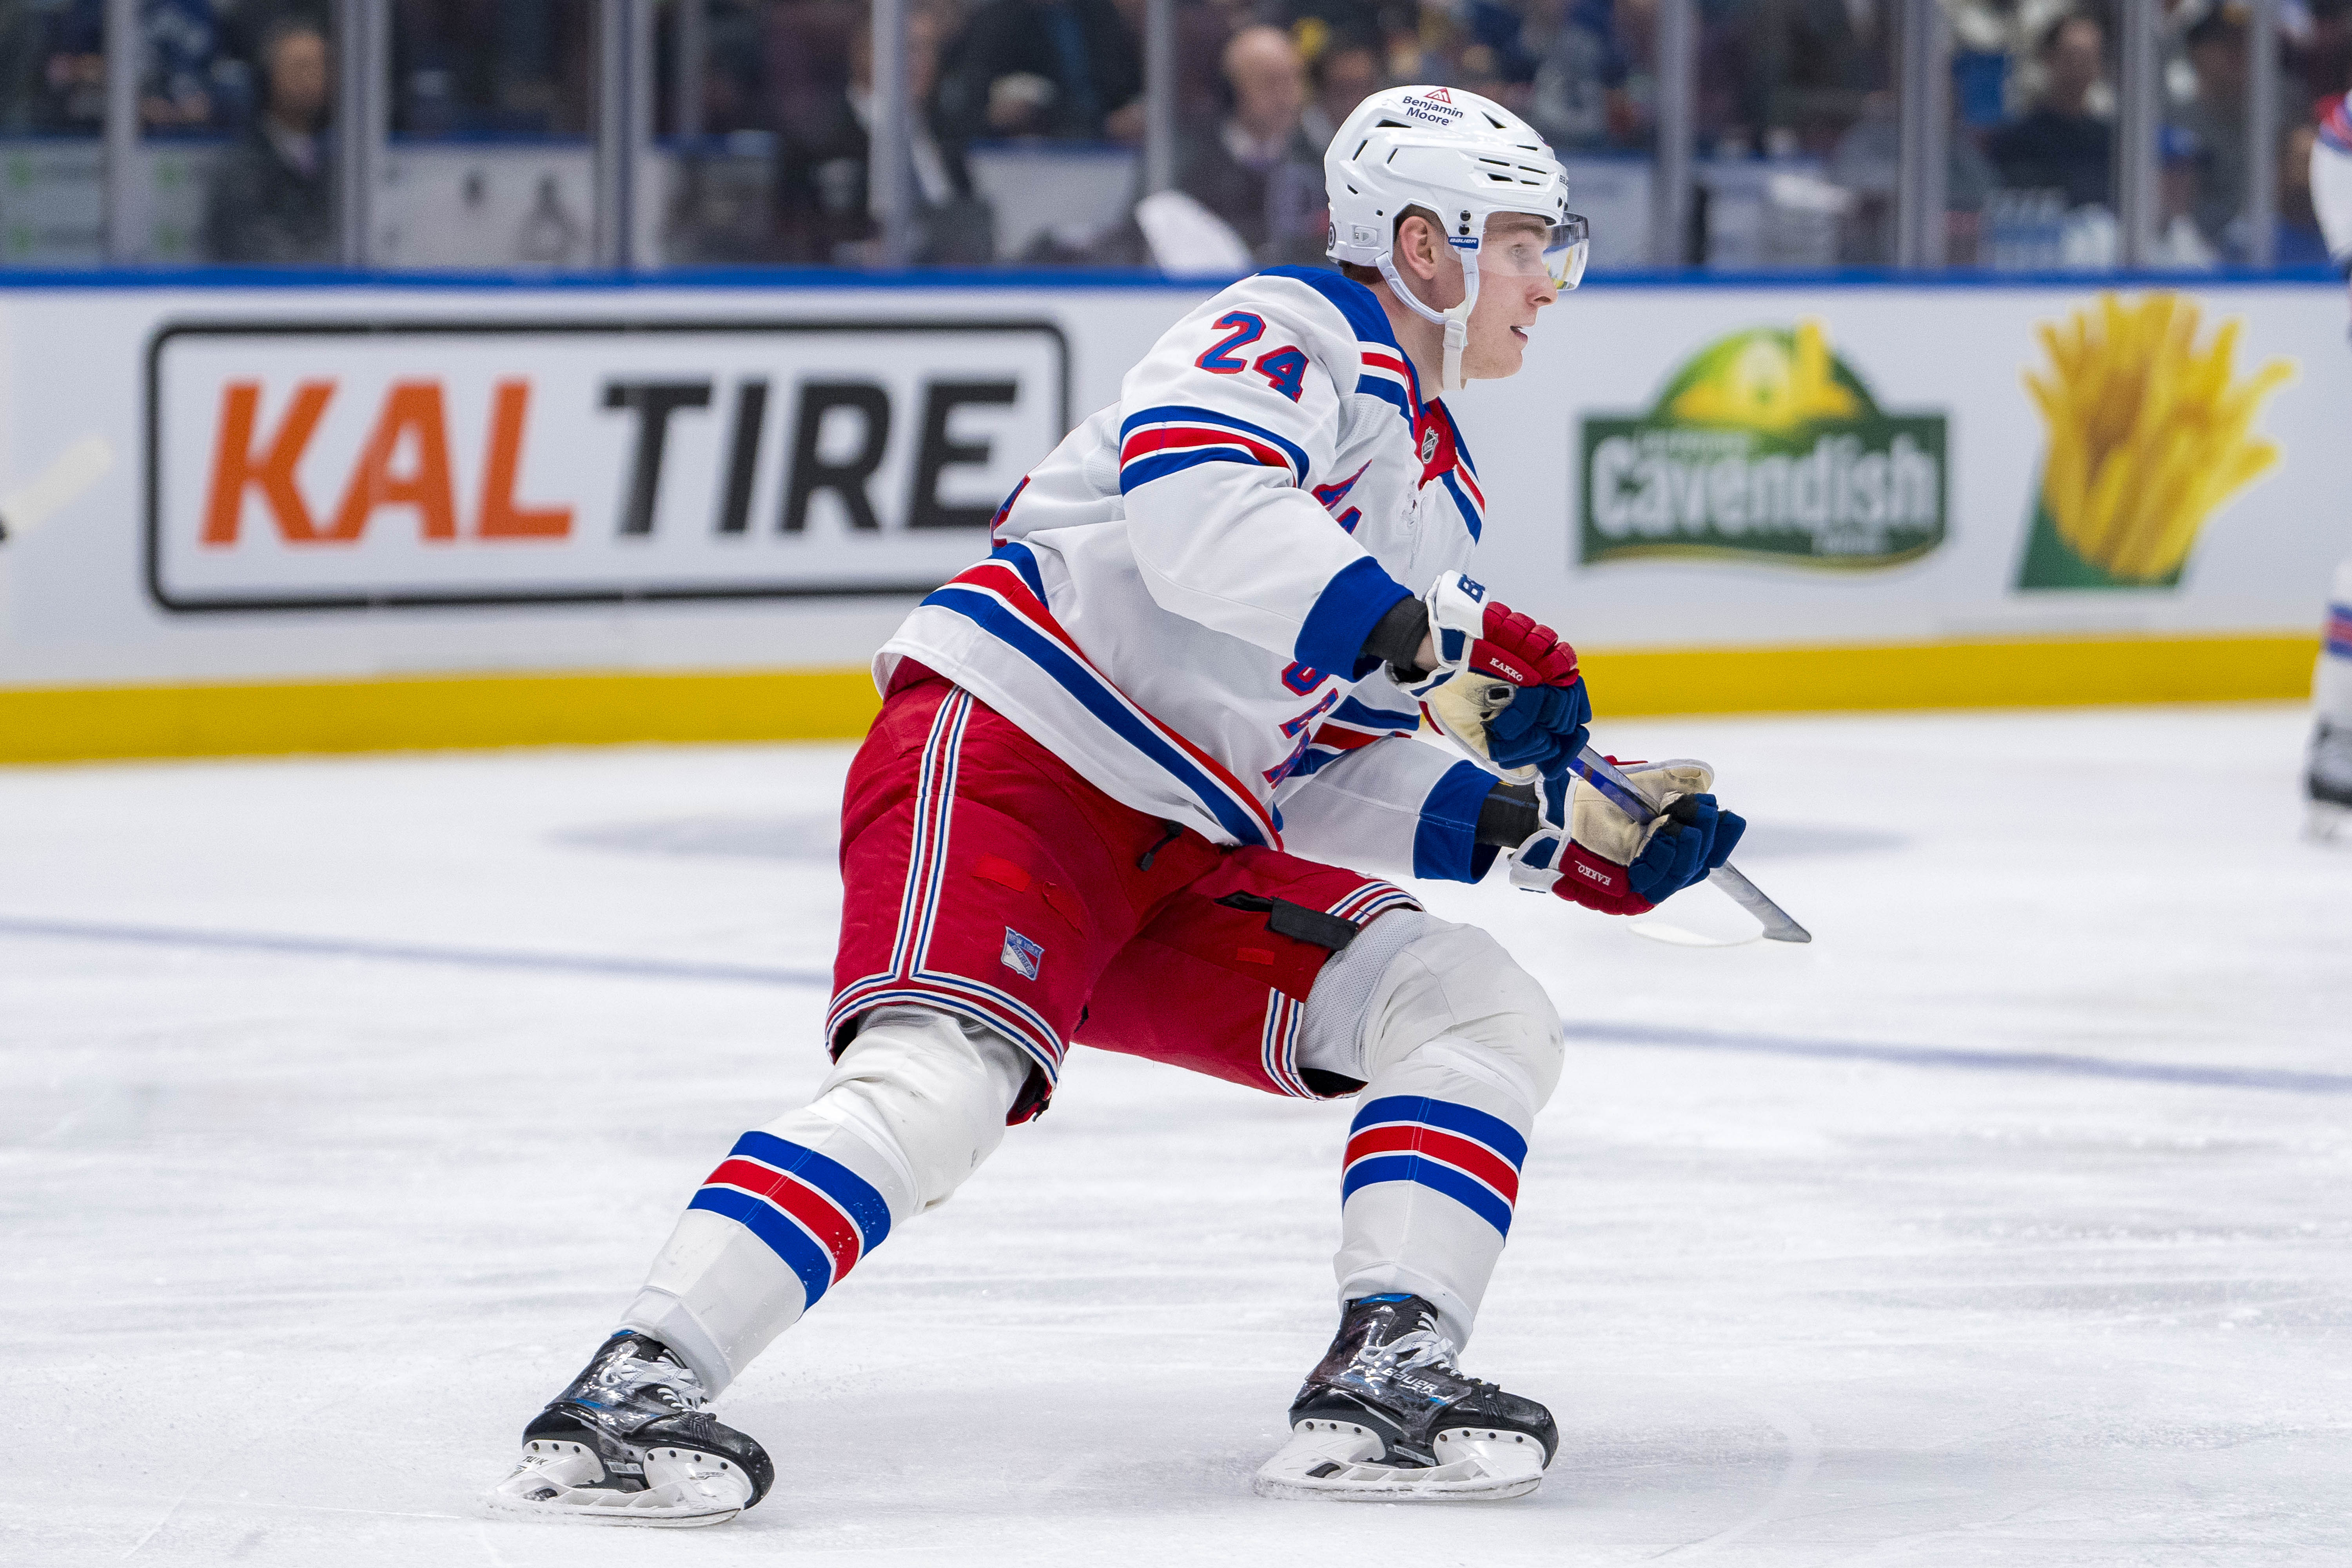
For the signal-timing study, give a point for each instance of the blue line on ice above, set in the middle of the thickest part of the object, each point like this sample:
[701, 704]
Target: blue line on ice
[1588, 1032]
[1612, 1034]
[413, 952]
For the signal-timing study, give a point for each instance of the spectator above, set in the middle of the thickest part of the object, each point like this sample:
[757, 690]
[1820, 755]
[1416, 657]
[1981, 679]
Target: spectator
[2180, 243]
[1995, 74]
[1345, 73]
[52, 66]
[2299, 242]
[2216, 119]
[1257, 170]
[1063, 68]
[1865, 164]
[273, 193]
[176, 85]
[1579, 99]
[823, 196]
[2062, 145]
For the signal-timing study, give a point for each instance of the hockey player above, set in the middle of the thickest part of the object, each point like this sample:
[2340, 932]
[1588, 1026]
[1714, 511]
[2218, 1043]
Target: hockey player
[1119, 767]
[2327, 780]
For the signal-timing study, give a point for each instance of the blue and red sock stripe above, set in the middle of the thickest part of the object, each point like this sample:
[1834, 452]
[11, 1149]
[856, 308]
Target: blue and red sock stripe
[817, 1215]
[2338, 632]
[1464, 1153]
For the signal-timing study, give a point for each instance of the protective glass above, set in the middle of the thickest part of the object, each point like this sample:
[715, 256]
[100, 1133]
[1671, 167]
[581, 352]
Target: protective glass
[1558, 253]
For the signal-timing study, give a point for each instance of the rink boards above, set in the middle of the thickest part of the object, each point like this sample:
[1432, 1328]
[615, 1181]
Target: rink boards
[333, 516]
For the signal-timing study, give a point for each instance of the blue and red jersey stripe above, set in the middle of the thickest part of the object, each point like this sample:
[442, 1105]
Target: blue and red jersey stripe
[2336, 125]
[997, 595]
[1156, 442]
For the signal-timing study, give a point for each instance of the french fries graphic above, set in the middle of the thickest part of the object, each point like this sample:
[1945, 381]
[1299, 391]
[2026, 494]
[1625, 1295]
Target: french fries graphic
[2148, 436]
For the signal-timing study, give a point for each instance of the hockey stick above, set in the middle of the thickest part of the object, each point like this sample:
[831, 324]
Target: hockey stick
[74, 470]
[1603, 776]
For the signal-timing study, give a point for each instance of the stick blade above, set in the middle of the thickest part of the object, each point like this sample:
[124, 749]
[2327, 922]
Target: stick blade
[1778, 926]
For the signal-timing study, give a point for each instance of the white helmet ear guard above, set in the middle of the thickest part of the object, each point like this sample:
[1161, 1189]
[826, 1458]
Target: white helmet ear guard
[1463, 158]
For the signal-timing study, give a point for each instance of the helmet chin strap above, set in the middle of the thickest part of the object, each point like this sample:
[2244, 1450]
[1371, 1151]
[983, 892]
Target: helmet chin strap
[1456, 321]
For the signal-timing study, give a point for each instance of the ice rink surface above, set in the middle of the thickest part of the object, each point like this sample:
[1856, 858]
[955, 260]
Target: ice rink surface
[347, 1100]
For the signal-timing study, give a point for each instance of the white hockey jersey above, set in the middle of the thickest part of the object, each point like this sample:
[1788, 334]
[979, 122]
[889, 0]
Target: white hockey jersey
[2331, 180]
[1178, 595]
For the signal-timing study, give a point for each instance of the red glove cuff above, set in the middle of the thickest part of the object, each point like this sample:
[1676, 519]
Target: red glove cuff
[1522, 650]
[1597, 883]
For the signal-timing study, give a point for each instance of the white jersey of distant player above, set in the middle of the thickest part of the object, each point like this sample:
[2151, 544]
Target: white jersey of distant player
[2331, 181]
[1214, 548]
[2331, 194]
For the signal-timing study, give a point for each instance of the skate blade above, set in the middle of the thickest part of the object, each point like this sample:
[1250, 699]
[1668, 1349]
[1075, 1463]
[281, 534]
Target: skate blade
[561, 1482]
[1339, 1462]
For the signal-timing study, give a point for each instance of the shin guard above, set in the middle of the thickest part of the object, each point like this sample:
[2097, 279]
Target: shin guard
[916, 1102]
[1459, 1048]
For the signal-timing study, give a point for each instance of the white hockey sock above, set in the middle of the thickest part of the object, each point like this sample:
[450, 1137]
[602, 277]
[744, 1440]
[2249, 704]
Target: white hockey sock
[1430, 1181]
[1459, 1049]
[2331, 687]
[913, 1106]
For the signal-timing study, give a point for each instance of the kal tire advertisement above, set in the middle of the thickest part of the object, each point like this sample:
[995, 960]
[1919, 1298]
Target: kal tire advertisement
[323, 467]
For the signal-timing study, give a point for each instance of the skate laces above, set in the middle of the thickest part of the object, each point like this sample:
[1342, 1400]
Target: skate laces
[1423, 1347]
[624, 1379]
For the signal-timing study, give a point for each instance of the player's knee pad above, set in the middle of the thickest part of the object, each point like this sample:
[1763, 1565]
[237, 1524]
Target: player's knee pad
[929, 1091]
[1411, 983]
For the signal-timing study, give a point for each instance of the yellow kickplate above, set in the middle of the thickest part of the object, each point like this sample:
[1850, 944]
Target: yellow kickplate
[52, 724]
[404, 713]
[2065, 673]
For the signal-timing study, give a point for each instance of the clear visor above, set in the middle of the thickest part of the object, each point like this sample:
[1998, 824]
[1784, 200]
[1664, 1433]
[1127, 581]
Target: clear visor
[1557, 252]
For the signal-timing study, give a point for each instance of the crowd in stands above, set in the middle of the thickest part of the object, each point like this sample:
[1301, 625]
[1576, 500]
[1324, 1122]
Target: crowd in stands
[1260, 85]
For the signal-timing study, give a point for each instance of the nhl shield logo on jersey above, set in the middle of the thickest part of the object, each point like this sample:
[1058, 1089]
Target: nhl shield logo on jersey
[1021, 955]
[1428, 444]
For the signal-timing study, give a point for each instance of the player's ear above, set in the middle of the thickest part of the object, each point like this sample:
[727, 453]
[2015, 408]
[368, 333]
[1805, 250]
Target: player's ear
[1417, 246]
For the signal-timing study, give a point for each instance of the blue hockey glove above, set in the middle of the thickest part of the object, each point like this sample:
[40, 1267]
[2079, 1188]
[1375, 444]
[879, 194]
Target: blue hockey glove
[1543, 727]
[1608, 862]
[1694, 836]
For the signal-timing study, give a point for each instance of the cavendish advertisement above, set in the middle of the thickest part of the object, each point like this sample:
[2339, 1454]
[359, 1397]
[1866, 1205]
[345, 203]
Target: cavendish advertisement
[2151, 431]
[1765, 445]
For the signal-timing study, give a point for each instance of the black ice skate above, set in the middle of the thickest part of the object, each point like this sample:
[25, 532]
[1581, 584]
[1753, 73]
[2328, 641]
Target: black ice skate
[2328, 782]
[629, 1443]
[1386, 1417]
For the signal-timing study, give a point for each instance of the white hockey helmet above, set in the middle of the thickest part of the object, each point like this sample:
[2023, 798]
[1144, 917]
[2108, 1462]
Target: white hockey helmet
[1463, 157]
